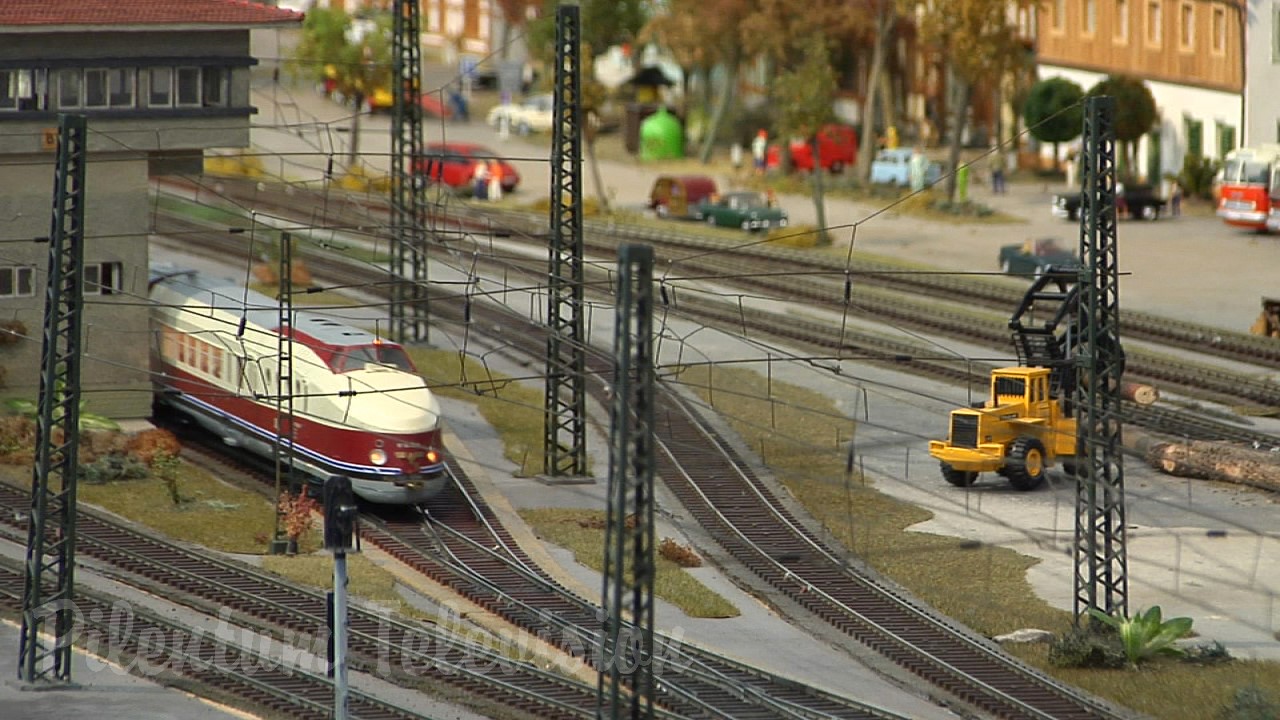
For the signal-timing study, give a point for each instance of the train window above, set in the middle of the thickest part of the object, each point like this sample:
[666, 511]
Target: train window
[204, 357]
[17, 281]
[355, 358]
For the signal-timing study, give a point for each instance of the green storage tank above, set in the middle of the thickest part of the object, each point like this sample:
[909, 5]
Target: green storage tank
[661, 137]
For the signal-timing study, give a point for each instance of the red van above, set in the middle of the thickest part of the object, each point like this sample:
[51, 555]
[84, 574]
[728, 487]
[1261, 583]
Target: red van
[677, 195]
[837, 148]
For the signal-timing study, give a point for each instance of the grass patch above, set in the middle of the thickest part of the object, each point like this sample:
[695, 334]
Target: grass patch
[213, 513]
[984, 587]
[582, 533]
[514, 409]
[365, 578]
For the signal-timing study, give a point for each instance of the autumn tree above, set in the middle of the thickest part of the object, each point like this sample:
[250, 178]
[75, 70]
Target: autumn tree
[679, 30]
[978, 43]
[357, 63]
[515, 14]
[884, 18]
[1135, 112]
[804, 97]
[1053, 112]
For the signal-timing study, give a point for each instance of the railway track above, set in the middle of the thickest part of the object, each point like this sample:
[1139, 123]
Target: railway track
[217, 667]
[885, 293]
[408, 653]
[739, 510]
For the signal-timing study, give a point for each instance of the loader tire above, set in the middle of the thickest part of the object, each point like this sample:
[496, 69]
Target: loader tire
[1025, 465]
[959, 478]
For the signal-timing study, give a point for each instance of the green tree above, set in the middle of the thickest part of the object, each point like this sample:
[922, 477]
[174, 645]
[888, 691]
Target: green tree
[603, 24]
[1053, 112]
[804, 97]
[1135, 111]
[319, 50]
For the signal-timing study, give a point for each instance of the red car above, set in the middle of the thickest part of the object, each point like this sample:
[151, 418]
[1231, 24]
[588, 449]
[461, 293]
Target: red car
[454, 163]
[837, 147]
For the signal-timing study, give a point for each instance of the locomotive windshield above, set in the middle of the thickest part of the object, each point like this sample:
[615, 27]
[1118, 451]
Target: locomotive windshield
[356, 357]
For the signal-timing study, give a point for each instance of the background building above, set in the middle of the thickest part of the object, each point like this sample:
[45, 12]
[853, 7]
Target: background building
[159, 83]
[1188, 52]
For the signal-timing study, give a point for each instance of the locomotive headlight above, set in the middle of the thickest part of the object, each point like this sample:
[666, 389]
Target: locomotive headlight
[433, 456]
[378, 456]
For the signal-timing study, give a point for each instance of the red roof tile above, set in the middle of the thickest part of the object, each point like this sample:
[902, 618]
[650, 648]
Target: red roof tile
[33, 13]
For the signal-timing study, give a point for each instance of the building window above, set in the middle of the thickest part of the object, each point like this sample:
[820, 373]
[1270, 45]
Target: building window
[95, 88]
[18, 89]
[103, 278]
[188, 86]
[120, 87]
[1275, 34]
[17, 281]
[1122, 20]
[1153, 22]
[1226, 139]
[69, 82]
[1187, 26]
[1089, 16]
[159, 86]
[1195, 136]
[1219, 30]
[1059, 14]
[214, 86]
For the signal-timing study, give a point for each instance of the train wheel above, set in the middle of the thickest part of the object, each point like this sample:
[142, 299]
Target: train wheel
[1025, 463]
[959, 478]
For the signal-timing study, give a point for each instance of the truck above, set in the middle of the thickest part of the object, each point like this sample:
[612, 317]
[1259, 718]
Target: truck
[1019, 432]
[1025, 425]
[1140, 202]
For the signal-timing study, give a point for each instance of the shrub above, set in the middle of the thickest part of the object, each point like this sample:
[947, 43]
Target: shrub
[1146, 634]
[681, 555]
[149, 445]
[1250, 703]
[165, 466]
[111, 468]
[296, 513]
[799, 236]
[1197, 176]
[1087, 648]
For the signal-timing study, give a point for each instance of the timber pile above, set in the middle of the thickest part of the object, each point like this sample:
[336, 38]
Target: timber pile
[1224, 462]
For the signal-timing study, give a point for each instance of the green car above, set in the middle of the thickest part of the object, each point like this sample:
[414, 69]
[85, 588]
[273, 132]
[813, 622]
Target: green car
[746, 210]
[1034, 256]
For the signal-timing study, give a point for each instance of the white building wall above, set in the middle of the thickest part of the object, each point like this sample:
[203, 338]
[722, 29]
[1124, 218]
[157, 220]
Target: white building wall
[1262, 74]
[1174, 103]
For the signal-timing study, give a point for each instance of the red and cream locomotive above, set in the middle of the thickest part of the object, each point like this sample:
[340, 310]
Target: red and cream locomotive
[359, 408]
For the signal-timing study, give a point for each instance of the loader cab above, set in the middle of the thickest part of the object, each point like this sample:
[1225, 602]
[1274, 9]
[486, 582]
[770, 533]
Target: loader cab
[1025, 387]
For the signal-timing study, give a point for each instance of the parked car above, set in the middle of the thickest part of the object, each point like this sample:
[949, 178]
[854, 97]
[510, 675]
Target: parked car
[892, 166]
[1034, 256]
[837, 149]
[1136, 201]
[678, 196]
[746, 210]
[535, 114]
[454, 164]
[381, 100]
